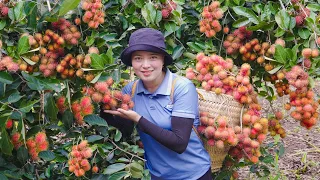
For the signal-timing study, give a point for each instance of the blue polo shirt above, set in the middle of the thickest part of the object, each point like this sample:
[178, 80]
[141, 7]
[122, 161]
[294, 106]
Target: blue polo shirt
[158, 109]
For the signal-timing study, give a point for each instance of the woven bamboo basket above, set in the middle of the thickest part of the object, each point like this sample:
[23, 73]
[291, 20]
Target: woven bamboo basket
[223, 105]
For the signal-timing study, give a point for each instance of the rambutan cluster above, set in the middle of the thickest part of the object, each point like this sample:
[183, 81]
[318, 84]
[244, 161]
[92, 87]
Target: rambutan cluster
[61, 103]
[236, 39]
[6, 63]
[253, 50]
[167, 8]
[217, 131]
[308, 54]
[82, 108]
[94, 15]
[78, 162]
[211, 14]
[110, 99]
[50, 49]
[9, 124]
[4, 10]
[301, 15]
[305, 108]
[213, 73]
[276, 128]
[66, 66]
[15, 140]
[37, 144]
[243, 93]
[298, 78]
[252, 135]
[282, 88]
[69, 32]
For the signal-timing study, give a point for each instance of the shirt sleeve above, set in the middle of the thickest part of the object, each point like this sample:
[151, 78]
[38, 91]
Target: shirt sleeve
[185, 100]
[177, 139]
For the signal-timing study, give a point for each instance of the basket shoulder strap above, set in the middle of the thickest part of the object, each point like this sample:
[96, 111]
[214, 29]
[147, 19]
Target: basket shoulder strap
[133, 89]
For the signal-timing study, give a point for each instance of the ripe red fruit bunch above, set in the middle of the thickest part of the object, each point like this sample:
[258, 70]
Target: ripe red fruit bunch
[15, 139]
[250, 139]
[301, 16]
[305, 108]
[4, 10]
[213, 73]
[235, 40]
[78, 162]
[94, 15]
[298, 78]
[109, 99]
[9, 124]
[211, 14]
[61, 103]
[244, 92]
[167, 8]
[217, 131]
[37, 144]
[6, 63]
[69, 32]
[82, 108]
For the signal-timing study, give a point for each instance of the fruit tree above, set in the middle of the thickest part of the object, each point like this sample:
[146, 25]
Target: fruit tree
[59, 65]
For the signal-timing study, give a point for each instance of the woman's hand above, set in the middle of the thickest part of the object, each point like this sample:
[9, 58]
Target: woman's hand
[127, 114]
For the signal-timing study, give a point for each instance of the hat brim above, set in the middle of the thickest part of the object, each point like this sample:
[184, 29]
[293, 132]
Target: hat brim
[126, 53]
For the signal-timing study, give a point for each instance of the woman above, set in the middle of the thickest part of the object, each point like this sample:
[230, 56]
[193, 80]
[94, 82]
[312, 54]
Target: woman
[172, 148]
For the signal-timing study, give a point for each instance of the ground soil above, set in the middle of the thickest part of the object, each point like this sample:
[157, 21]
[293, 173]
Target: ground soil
[301, 159]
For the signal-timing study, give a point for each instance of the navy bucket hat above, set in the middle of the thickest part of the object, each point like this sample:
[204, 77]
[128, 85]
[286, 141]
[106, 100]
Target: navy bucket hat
[146, 39]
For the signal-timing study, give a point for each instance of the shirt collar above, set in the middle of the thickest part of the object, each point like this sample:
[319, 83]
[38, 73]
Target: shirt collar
[164, 88]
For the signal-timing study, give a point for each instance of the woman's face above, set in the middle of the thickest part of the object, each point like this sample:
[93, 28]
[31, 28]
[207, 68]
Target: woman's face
[147, 65]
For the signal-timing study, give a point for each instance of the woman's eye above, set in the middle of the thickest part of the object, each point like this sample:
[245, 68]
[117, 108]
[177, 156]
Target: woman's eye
[154, 57]
[137, 58]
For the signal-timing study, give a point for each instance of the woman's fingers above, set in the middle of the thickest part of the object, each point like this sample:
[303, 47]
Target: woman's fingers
[112, 112]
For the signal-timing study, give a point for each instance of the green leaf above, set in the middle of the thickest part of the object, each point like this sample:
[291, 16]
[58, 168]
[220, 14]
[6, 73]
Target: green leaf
[14, 97]
[36, 83]
[117, 136]
[274, 70]
[283, 19]
[177, 51]
[23, 45]
[314, 7]
[50, 107]
[2, 24]
[304, 33]
[114, 168]
[248, 13]
[268, 159]
[119, 175]
[26, 106]
[68, 5]
[3, 177]
[241, 22]
[110, 56]
[280, 54]
[28, 60]
[22, 155]
[97, 62]
[67, 119]
[31, 11]
[5, 143]
[194, 47]
[47, 155]
[95, 120]
[170, 28]
[5, 77]
[18, 11]
[262, 26]
[94, 138]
